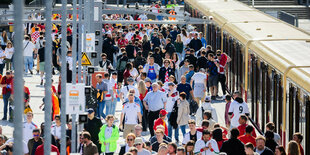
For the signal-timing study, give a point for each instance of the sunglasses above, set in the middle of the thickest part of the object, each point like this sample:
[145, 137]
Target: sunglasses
[137, 144]
[130, 139]
[35, 135]
[218, 54]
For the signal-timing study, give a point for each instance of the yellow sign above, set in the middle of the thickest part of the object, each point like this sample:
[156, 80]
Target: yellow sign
[85, 60]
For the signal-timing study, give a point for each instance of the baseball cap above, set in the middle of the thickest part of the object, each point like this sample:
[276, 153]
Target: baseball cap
[130, 79]
[138, 140]
[163, 112]
[114, 73]
[90, 110]
[147, 80]
[208, 99]
[171, 84]
[186, 60]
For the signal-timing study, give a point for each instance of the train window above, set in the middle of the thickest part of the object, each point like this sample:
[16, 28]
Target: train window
[268, 94]
[290, 103]
[275, 98]
[280, 99]
[297, 111]
[263, 95]
[252, 85]
[257, 96]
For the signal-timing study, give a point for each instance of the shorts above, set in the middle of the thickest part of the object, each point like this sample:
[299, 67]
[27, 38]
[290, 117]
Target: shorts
[213, 80]
[42, 64]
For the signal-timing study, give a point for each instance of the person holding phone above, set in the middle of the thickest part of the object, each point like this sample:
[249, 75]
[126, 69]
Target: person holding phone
[206, 145]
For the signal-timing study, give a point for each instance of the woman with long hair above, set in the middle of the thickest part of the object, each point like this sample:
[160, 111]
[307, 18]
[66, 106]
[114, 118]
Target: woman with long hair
[9, 51]
[4, 39]
[143, 91]
[293, 148]
[178, 44]
[280, 150]
[146, 46]
[189, 147]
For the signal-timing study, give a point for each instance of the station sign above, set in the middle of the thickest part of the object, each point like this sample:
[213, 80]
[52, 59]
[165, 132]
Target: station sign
[75, 98]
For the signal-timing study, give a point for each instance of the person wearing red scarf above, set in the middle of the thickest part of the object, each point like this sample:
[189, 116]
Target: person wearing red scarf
[161, 120]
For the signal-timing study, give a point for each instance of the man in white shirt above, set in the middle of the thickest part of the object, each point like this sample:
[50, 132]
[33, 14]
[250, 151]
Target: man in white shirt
[206, 145]
[28, 127]
[237, 107]
[193, 134]
[172, 97]
[28, 48]
[125, 89]
[132, 113]
[56, 128]
[200, 81]
[206, 106]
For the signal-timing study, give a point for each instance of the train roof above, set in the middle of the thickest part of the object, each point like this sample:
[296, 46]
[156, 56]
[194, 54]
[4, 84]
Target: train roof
[276, 42]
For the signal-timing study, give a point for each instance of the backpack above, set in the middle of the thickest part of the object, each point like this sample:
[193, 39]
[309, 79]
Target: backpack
[193, 106]
[174, 116]
[121, 65]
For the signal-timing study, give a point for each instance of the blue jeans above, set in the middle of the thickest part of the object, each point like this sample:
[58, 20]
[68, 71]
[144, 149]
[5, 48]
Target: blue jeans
[183, 129]
[100, 109]
[6, 103]
[114, 106]
[108, 106]
[176, 131]
[28, 61]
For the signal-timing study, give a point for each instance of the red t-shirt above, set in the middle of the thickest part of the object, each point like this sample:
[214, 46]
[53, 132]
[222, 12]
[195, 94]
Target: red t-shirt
[54, 89]
[122, 43]
[126, 75]
[247, 138]
[141, 97]
[26, 90]
[40, 149]
[241, 129]
[220, 143]
[8, 81]
[222, 63]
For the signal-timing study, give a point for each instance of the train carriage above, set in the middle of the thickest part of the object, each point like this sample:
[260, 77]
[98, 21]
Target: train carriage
[270, 63]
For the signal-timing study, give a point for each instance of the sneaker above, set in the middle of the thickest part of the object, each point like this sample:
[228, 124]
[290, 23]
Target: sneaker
[4, 119]
[213, 98]
[219, 97]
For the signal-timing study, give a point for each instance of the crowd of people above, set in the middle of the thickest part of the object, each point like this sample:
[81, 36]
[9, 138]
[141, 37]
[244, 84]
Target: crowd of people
[166, 78]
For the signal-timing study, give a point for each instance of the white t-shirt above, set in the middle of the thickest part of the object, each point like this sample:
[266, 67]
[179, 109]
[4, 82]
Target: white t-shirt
[237, 109]
[107, 135]
[171, 100]
[113, 83]
[27, 131]
[201, 144]
[134, 72]
[2, 54]
[25, 146]
[69, 61]
[126, 89]
[56, 131]
[108, 96]
[131, 110]
[9, 52]
[28, 49]
[187, 137]
[199, 77]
